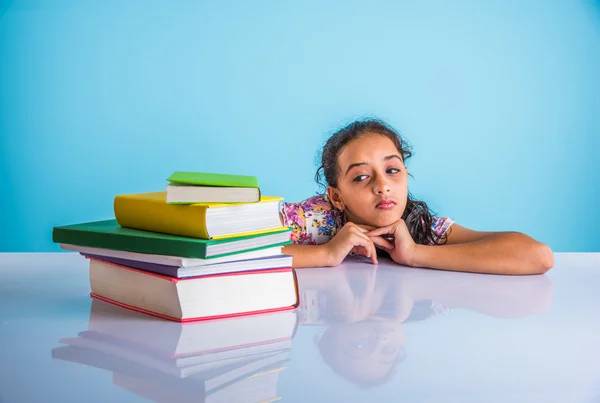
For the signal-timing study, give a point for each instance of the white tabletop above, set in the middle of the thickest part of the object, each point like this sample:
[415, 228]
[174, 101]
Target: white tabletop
[365, 334]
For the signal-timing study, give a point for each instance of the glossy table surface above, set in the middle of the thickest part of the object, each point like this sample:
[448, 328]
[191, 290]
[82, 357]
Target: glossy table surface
[364, 333]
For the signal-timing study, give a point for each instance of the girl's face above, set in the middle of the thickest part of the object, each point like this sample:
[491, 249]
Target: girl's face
[363, 351]
[372, 183]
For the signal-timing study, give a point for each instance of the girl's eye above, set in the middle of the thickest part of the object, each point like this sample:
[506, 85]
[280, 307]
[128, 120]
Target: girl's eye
[360, 178]
[393, 170]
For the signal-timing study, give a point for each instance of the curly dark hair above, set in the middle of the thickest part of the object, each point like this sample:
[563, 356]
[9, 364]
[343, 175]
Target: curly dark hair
[417, 215]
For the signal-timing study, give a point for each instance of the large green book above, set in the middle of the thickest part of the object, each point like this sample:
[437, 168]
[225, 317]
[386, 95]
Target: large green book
[109, 234]
[213, 179]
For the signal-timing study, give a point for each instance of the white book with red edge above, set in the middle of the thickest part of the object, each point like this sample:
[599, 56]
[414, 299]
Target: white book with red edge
[198, 298]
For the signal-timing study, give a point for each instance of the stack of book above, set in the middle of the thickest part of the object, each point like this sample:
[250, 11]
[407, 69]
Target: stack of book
[229, 360]
[209, 247]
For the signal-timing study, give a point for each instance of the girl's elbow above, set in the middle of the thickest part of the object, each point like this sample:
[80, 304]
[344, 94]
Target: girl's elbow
[545, 258]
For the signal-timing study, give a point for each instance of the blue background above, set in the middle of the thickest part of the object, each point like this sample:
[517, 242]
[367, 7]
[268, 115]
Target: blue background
[501, 102]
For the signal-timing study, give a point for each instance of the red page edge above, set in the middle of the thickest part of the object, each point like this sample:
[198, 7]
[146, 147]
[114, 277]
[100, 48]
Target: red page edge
[233, 315]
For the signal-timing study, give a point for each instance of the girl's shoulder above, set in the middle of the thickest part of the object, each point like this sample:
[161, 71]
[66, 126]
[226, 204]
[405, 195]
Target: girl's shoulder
[313, 221]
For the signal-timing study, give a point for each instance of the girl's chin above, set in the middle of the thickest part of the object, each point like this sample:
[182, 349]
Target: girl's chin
[379, 220]
[385, 224]
[383, 220]
[381, 223]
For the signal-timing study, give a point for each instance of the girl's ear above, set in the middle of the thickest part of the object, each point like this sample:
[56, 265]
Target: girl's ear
[334, 197]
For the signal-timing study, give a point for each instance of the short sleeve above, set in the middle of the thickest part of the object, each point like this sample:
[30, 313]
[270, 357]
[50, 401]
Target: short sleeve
[440, 226]
[293, 217]
[313, 221]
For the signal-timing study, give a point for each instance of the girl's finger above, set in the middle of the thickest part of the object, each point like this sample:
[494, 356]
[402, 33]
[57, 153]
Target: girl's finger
[368, 248]
[357, 250]
[363, 235]
[382, 243]
[382, 231]
[373, 253]
[372, 249]
[357, 242]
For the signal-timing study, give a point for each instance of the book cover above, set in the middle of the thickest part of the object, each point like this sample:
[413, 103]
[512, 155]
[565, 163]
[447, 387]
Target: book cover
[151, 212]
[213, 179]
[179, 299]
[110, 235]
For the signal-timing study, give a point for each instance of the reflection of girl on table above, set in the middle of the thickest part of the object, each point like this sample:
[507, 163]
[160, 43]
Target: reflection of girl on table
[365, 310]
[367, 208]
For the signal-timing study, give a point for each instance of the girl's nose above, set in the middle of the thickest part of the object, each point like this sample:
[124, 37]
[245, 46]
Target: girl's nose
[381, 186]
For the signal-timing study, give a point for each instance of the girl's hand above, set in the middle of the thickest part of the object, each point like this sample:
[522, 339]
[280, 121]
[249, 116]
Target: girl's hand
[401, 248]
[351, 238]
[353, 293]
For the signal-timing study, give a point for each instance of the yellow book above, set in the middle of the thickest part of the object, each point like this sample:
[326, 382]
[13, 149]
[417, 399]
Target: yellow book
[150, 212]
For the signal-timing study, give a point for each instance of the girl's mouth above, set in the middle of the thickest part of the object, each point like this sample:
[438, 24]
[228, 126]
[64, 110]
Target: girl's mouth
[385, 204]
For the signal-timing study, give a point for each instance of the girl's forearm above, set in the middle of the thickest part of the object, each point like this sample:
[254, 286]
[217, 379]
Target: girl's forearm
[501, 253]
[307, 255]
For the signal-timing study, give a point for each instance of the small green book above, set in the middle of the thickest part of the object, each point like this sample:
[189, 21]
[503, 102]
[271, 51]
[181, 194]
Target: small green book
[109, 234]
[213, 179]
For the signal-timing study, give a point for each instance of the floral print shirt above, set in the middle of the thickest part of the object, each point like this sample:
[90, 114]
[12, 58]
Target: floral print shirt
[315, 221]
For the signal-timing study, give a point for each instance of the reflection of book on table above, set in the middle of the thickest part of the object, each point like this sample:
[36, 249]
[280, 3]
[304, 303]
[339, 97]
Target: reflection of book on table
[207, 347]
[216, 338]
[253, 380]
[178, 367]
[314, 307]
[259, 387]
[222, 360]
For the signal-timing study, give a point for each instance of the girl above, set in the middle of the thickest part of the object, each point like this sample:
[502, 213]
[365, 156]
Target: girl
[368, 208]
